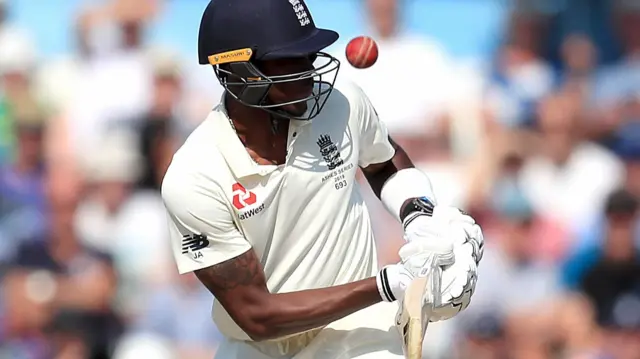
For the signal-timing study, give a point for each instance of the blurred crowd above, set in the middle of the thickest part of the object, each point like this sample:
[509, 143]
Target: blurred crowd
[540, 142]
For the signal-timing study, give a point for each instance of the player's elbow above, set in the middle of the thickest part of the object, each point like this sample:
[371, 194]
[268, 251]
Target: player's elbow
[267, 319]
[259, 332]
[260, 321]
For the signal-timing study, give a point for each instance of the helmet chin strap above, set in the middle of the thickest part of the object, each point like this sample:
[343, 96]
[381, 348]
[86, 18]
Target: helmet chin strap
[275, 117]
[275, 123]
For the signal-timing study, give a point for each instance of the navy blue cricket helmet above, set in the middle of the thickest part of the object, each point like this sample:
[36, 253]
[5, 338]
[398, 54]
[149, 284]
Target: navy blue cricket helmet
[236, 34]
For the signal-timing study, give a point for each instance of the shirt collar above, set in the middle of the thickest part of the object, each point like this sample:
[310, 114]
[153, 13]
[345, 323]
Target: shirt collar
[231, 148]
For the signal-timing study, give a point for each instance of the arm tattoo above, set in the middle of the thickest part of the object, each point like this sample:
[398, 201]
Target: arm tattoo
[242, 271]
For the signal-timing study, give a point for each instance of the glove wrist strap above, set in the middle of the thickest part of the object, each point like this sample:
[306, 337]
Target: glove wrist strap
[384, 287]
[414, 208]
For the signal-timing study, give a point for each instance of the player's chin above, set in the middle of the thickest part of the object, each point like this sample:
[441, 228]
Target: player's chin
[296, 109]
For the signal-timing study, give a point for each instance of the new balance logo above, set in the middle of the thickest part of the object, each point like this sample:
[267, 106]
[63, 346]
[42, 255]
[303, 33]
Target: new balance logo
[242, 197]
[194, 243]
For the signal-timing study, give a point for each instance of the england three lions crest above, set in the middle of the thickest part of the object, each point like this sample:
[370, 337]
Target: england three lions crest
[329, 152]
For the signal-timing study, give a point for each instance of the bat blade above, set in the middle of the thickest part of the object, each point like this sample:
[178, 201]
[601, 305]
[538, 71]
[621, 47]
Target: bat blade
[420, 299]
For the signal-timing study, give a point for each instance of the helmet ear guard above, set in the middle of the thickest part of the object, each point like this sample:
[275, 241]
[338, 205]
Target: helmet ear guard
[240, 77]
[244, 81]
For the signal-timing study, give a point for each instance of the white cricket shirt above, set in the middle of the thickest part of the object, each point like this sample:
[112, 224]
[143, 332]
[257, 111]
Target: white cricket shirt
[306, 219]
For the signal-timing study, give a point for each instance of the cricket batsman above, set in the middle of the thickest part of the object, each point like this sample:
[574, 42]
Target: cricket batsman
[265, 209]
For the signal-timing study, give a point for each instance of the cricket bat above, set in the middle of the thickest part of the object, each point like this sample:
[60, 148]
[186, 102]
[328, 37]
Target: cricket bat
[420, 299]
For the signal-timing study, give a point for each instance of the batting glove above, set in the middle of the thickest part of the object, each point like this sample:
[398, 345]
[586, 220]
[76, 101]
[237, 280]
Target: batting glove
[427, 236]
[445, 230]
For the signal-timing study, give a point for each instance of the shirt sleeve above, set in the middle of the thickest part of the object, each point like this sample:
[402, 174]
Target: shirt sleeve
[374, 137]
[201, 227]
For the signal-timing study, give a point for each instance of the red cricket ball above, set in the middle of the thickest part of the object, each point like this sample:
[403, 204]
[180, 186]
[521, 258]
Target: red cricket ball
[362, 52]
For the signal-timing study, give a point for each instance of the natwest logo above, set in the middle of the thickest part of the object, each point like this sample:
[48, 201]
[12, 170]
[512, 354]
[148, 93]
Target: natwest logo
[242, 197]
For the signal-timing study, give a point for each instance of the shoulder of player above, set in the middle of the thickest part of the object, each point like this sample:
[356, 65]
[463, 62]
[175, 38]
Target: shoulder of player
[186, 189]
[351, 91]
[196, 167]
[200, 147]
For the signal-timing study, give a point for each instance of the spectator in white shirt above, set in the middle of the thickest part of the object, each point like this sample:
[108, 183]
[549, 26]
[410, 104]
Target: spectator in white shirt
[569, 179]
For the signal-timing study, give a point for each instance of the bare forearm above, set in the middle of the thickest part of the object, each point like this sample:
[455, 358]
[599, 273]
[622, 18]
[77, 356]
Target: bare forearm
[240, 286]
[288, 313]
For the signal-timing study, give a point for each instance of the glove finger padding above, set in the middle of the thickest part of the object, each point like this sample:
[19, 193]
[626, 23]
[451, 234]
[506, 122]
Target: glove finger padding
[477, 239]
[416, 255]
[458, 283]
[454, 276]
[473, 236]
[450, 214]
[450, 310]
[434, 236]
[447, 222]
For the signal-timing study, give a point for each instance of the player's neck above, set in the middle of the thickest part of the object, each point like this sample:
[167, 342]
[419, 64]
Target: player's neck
[266, 143]
[244, 117]
[249, 120]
